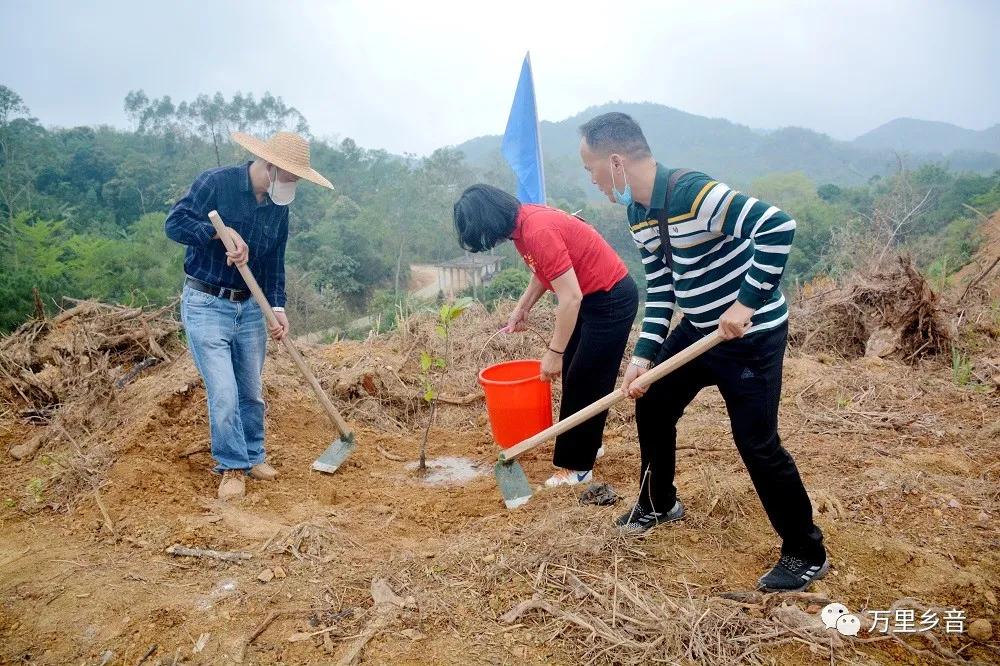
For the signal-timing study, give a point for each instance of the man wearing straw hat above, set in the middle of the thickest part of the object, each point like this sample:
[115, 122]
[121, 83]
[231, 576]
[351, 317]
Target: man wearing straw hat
[225, 327]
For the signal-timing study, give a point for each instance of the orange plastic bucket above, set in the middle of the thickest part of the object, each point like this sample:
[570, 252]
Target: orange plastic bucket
[518, 402]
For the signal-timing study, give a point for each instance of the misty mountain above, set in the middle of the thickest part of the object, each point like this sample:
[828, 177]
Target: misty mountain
[739, 154]
[929, 136]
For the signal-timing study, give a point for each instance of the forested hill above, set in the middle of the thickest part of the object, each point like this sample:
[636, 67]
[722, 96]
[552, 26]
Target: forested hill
[925, 136]
[739, 154]
[82, 208]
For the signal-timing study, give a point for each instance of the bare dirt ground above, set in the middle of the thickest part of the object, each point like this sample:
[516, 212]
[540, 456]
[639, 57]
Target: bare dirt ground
[902, 463]
[423, 281]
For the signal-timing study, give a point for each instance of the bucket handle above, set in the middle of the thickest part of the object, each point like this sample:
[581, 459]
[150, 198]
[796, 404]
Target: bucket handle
[479, 358]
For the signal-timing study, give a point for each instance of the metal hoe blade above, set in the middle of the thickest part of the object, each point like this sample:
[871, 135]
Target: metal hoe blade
[334, 456]
[513, 483]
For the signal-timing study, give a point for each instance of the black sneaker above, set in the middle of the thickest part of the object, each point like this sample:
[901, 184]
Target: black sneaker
[792, 574]
[642, 518]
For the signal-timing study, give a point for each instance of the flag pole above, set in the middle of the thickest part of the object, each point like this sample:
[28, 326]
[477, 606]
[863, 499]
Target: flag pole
[538, 126]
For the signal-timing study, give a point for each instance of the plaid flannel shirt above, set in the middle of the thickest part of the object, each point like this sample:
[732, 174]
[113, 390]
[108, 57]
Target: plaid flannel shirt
[264, 227]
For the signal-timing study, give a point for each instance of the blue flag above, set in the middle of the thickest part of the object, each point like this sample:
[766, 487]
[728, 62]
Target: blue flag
[522, 145]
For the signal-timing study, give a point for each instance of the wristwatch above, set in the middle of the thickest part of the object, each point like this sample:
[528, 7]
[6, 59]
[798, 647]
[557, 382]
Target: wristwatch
[643, 363]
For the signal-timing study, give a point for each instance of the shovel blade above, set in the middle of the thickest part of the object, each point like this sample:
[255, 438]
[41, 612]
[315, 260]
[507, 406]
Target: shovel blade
[334, 456]
[513, 483]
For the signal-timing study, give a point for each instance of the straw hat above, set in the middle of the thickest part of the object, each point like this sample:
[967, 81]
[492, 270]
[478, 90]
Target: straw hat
[287, 151]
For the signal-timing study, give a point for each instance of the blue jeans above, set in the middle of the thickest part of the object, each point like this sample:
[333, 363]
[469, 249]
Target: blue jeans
[228, 341]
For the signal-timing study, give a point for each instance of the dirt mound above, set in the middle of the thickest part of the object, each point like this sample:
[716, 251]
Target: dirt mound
[895, 313]
[82, 351]
[380, 382]
[374, 562]
[885, 313]
[975, 290]
[979, 280]
[66, 374]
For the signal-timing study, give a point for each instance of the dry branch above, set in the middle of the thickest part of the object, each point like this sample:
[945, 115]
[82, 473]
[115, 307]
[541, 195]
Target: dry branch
[979, 278]
[104, 512]
[225, 555]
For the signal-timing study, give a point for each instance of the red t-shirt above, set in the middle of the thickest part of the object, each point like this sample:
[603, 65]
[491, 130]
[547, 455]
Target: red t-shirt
[551, 242]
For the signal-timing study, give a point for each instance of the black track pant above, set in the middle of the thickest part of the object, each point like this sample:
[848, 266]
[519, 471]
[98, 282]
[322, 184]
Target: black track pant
[590, 368]
[748, 374]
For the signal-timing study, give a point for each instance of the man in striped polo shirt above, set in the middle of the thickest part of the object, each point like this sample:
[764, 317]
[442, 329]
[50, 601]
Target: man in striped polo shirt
[720, 267]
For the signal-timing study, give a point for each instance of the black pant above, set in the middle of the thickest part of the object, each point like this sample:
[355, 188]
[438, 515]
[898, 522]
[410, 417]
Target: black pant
[590, 368]
[748, 374]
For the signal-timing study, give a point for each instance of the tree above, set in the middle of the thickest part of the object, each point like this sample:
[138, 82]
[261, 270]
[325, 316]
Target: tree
[213, 118]
[814, 216]
[207, 115]
[157, 116]
[15, 178]
[447, 314]
[508, 283]
[265, 117]
[829, 192]
[40, 247]
[143, 266]
[784, 189]
[11, 105]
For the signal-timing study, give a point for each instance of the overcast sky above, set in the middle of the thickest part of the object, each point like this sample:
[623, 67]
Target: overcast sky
[413, 76]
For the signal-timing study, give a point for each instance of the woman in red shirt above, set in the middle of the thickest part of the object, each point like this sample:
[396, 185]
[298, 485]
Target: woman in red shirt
[597, 306]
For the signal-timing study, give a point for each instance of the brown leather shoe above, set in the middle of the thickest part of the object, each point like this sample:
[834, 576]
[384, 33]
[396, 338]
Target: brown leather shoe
[233, 485]
[263, 472]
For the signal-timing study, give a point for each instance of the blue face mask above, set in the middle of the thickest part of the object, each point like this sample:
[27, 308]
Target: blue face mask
[624, 198]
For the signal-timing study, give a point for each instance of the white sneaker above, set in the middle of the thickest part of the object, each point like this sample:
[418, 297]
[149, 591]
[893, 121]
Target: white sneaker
[569, 477]
[600, 452]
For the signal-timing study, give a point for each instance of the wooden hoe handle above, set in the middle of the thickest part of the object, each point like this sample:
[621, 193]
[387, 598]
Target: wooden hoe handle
[605, 403]
[272, 321]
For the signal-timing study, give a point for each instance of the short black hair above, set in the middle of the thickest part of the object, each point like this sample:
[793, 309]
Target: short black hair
[615, 132]
[484, 216]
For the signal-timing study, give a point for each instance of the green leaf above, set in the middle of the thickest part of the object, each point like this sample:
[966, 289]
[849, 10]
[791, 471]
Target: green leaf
[429, 395]
[440, 363]
[441, 331]
[425, 361]
[457, 310]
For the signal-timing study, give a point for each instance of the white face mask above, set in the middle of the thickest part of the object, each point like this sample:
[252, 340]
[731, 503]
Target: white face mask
[281, 193]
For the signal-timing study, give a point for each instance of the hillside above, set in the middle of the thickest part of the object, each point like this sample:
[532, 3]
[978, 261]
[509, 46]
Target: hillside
[900, 455]
[926, 136]
[740, 154]
[85, 206]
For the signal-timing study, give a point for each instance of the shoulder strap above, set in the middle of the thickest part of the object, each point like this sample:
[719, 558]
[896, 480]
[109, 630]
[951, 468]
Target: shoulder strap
[663, 214]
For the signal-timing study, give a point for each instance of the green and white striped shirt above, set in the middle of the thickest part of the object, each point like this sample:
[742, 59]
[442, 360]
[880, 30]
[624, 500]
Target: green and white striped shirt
[725, 246]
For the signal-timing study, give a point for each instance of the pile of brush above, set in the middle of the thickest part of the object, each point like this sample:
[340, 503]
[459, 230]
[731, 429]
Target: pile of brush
[888, 312]
[64, 372]
[384, 384]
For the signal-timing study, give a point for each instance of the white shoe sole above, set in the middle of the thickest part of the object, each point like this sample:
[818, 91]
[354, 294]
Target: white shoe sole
[555, 482]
